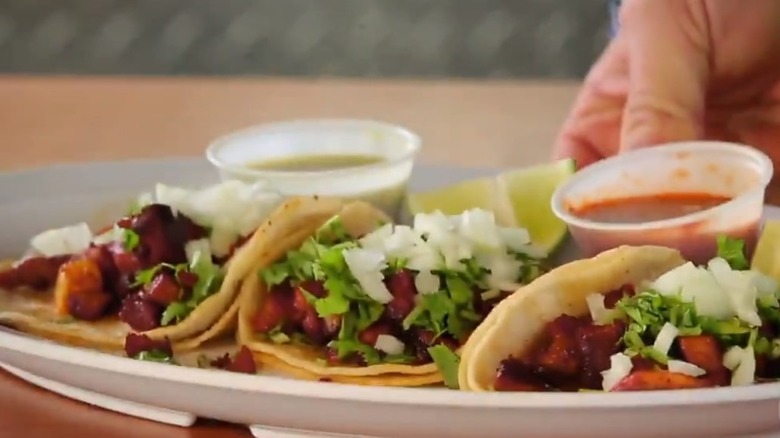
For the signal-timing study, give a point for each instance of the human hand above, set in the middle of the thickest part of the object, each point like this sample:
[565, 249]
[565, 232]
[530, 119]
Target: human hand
[681, 70]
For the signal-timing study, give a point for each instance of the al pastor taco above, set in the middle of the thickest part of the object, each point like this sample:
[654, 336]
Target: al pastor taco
[630, 319]
[170, 269]
[342, 294]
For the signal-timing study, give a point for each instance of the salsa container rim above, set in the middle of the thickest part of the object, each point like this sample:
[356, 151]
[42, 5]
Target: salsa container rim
[559, 205]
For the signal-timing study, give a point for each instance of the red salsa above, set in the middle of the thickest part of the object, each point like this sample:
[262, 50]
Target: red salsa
[650, 208]
[695, 239]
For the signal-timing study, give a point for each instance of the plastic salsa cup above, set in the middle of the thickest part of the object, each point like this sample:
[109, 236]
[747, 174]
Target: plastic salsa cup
[382, 182]
[680, 195]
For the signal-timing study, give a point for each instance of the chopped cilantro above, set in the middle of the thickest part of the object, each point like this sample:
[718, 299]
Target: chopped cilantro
[648, 311]
[447, 362]
[155, 356]
[277, 336]
[346, 347]
[210, 278]
[332, 231]
[144, 277]
[275, 274]
[733, 251]
[130, 239]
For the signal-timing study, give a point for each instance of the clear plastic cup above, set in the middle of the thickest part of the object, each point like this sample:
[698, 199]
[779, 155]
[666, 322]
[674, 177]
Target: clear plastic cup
[738, 172]
[383, 183]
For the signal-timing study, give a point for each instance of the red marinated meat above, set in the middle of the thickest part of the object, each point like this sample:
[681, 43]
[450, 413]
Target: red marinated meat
[300, 306]
[274, 310]
[640, 363]
[136, 344]
[88, 306]
[314, 327]
[315, 288]
[39, 273]
[422, 339]
[658, 380]
[513, 375]
[557, 354]
[102, 257]
[163, 289]
[370, 334]
[597, 343]
[126, 262]
[123, 286]
[241, 362]
[332, 325]
[769, 369]
[187, 279]
[611, 298]
[140, 315]
[401, 286]
[705, 352]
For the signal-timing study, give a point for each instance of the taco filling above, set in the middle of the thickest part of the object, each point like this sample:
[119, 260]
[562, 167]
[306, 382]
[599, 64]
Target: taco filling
[391, 295]
[150, 268]
[693, 327]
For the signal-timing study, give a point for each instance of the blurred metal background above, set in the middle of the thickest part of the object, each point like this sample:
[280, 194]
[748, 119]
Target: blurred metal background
[363, 38]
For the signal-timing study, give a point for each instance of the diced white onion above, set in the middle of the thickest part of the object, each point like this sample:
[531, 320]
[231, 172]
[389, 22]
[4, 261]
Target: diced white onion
[595, 305]
[490, 294]
[366, 266]
[231, 209]
[195, 249]
[62, 241]
[427, 282]
[598, 311]
[389, 344]
[115, 234]
[696, 285]
[620, 367]
[479, 226]
[376, 240]
[503, 270]
[516, 239]
[740, 287]
[742, 363]
[678, 366]
[663, 342]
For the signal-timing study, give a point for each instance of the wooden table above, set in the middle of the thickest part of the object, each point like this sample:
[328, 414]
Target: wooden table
[48, 120]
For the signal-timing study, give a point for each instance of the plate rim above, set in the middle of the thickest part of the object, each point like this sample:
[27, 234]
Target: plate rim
[41, 348]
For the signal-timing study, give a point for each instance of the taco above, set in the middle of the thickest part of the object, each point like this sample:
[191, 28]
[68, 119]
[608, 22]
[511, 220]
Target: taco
[629, 319]
[342, 294]
[171, 269]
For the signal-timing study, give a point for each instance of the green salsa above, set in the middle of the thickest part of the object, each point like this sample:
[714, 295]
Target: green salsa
[314, 163]
[388, 199]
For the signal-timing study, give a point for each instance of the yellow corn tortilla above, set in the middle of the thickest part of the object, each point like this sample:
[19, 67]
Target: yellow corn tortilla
[34, 312]
[516, 321]
[289, 227]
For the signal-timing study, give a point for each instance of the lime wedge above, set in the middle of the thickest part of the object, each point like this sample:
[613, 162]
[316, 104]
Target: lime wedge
[766, 258]
[518, 197]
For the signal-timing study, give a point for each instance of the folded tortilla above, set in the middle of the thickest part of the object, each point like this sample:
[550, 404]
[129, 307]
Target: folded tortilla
[516, 322]
[34, 312]
[290, 225]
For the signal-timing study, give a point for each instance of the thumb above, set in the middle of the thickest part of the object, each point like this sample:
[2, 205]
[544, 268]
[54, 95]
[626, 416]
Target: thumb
[668, 69]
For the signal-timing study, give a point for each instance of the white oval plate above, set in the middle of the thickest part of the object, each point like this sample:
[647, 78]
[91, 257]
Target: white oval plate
[34, 200]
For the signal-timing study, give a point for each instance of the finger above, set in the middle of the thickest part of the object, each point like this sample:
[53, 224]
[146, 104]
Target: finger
[592, 129]
[668, 48]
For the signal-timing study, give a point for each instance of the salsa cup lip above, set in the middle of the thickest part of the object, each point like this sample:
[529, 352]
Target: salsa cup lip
[213, 151]
[559, 199]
